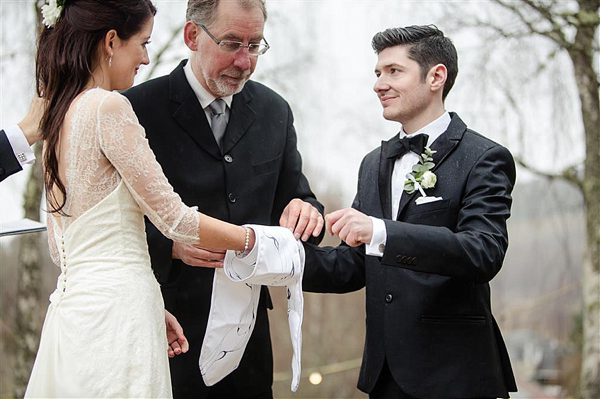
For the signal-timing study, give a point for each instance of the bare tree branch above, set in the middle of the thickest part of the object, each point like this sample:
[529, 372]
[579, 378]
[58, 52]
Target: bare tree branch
[569, 174]
[166, 46]
[556, 33]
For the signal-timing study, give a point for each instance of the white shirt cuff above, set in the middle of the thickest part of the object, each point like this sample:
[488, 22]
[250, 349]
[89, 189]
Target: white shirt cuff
[19, 144]
[377, 245]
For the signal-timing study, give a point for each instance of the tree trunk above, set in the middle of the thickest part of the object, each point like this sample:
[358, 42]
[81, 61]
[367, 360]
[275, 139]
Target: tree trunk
[28, 322]
[582, 54]
[587, 84]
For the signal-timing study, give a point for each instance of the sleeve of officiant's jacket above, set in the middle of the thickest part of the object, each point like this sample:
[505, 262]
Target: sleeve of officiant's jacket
[8, 162]
[472, 244]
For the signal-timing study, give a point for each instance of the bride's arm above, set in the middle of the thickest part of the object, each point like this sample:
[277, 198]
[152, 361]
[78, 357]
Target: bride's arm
[124, 144]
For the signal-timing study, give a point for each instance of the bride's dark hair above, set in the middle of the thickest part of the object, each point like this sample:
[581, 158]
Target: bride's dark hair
[66, 56]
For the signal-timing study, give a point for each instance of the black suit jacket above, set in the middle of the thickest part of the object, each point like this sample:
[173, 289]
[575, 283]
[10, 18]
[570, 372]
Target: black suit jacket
[258, 172]
[8, 162]
[428, 298]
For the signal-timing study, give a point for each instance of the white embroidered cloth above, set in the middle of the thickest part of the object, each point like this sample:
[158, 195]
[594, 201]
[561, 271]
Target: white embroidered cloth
[277, 259]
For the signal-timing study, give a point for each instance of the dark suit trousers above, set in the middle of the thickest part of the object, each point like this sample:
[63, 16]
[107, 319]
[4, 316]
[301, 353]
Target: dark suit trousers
[387, 388]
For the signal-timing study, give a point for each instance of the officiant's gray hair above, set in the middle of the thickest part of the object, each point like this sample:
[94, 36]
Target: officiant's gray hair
[204, 12]
[427, 46]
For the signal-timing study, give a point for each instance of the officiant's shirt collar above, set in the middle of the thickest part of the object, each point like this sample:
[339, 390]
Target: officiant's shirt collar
[203, 95]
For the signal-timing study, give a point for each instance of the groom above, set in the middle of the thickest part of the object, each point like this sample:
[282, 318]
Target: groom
[425, 256]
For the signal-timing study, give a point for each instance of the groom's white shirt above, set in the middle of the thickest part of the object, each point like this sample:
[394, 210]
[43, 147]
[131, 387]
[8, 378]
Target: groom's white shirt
[19, 144]
[402, 167]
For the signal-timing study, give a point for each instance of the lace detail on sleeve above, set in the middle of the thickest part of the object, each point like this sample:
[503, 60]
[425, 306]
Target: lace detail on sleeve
[123, 142]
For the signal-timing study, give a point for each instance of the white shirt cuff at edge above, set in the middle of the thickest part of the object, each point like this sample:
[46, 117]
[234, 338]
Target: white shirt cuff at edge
[19, 144]
[377, 245]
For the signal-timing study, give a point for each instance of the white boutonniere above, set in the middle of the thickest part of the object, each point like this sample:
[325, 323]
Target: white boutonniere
[421, 176]
[51, 11]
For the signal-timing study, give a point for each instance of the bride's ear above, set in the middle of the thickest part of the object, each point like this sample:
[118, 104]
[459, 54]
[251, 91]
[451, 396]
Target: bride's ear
[110, 43]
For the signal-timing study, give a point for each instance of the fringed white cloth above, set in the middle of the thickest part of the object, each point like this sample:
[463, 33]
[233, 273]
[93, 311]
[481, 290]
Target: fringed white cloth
[277, 259]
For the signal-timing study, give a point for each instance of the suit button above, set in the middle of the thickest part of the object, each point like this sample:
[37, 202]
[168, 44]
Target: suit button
[231, 198]
[398, 259]
[389, 298]
[413, 261]
[228, 158]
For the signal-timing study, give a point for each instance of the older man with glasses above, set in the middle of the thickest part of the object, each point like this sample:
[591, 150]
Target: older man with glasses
[227, 145]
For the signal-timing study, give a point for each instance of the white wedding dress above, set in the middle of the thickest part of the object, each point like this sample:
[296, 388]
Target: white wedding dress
[104, 334]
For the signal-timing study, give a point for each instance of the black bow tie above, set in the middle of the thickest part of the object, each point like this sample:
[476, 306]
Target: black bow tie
[398, 147]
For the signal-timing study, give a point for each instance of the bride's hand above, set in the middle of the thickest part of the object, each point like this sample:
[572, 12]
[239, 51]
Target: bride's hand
[177, 343]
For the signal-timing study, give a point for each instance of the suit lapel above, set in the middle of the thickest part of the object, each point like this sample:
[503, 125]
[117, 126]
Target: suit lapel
[240, 119]
[385, 181]
[189, 113]
[443, 146]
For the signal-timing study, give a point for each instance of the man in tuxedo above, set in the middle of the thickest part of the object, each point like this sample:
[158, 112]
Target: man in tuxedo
[227, 145]
[426, 257]
[16, 141]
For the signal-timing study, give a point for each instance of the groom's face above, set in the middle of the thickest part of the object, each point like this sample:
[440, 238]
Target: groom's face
[404, 95]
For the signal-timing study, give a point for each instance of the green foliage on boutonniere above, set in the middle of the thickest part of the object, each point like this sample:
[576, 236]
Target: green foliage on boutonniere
[421, 172]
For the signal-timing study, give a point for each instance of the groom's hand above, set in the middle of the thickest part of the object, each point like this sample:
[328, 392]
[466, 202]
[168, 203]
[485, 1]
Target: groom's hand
[196, 256]
[353, 227]
[302, 219]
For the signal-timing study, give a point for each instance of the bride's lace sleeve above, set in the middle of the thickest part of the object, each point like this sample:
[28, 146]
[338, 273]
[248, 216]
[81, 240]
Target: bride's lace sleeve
[123, 141]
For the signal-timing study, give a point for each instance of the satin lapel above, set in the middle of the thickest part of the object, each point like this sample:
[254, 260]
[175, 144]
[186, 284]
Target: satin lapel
[444, 146]
[385, 179]
[189, 113]
[240, 119]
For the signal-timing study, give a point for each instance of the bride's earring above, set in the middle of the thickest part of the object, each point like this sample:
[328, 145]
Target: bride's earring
[110, 61]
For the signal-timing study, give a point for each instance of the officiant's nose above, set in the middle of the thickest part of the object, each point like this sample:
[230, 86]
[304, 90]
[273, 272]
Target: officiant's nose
[243, 60]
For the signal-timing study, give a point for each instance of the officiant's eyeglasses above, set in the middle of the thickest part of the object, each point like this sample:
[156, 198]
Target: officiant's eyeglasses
[229, 46]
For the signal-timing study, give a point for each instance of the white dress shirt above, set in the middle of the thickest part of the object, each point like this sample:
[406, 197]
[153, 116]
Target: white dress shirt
[402, 167]
[19, 144]
[204, 97]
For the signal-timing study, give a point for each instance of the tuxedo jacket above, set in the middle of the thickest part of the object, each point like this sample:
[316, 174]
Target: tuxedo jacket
[251, 180]
[8, 162]
[428, 298]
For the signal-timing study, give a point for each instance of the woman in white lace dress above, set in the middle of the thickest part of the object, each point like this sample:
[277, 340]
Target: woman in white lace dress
[104, 333]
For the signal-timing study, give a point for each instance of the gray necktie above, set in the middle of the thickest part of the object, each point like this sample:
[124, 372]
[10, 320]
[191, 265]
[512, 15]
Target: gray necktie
[218, 119]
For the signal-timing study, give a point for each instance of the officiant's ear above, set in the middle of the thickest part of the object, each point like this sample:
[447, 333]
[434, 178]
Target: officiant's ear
[437, 77]
[190, 35]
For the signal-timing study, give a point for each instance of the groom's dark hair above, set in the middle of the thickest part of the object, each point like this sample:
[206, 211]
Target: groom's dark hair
[66, 56]
[427, 46]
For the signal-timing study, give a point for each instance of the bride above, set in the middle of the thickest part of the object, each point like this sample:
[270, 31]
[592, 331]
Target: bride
[104, 333]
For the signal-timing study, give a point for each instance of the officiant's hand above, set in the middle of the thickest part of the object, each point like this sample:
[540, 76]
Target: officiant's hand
[302, 219]
[177, 342]
[195, 256]
[353, 227]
